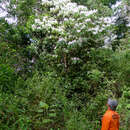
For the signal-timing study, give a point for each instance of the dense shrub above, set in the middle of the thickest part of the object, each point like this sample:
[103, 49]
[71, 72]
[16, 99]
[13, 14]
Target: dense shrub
[7, 78]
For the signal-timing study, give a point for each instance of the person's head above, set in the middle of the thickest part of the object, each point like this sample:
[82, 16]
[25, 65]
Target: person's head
[112, 104]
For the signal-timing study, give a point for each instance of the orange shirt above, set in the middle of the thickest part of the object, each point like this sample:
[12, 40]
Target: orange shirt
[110, 120]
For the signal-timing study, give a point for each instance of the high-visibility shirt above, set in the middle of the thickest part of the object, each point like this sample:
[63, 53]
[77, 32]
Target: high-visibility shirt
[110, 120]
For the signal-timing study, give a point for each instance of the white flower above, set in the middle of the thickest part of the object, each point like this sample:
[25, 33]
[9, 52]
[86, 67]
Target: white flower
[33, 26]
[66, 19]
[87, 20]
[90, 12]
[47, 2]
[37, 21]
[81, 7]
[71, 42]
[118, 3]
[75, 58]
[95, 30]
[55, 56]
[78, 31]
[61, 39]
[39, 28]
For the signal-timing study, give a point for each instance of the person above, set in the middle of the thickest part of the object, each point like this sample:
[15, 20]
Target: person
[110, 120]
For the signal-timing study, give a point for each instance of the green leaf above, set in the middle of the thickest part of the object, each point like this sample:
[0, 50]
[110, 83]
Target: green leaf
[52, 114]
[47, 121]
[40, 110]
[43, 105]
[128, 106]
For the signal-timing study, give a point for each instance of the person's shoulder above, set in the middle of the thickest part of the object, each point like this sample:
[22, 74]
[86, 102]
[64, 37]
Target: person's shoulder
[115, 115]
[108, 114]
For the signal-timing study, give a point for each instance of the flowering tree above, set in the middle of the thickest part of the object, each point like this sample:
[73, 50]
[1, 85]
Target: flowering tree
[67, 31]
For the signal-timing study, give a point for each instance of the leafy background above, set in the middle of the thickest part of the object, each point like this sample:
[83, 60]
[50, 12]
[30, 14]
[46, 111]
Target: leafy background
[67, 88]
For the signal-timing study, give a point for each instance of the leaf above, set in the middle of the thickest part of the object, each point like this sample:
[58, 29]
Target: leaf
[52, 114]
[47, 121]
[40, 110]
[128, 106]
[43, 105]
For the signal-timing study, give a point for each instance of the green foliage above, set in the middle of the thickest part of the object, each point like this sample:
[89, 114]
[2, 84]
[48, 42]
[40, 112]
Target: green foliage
[124, 108]
[87, 2]
[7, 78]
[46, 83]
[95, 75]
[51, 101]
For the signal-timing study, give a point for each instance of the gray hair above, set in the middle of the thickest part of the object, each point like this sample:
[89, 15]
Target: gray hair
[113, 104]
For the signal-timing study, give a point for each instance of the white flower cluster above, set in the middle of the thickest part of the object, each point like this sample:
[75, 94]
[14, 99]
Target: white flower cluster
[119, 11]
[66, 8]
[47, 23]
[117, 5]
[65, 17]
[108, 20]
[66, 11]
[54, 2]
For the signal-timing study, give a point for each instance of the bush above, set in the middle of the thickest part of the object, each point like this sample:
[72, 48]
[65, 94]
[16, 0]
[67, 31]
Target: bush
[7, 78]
